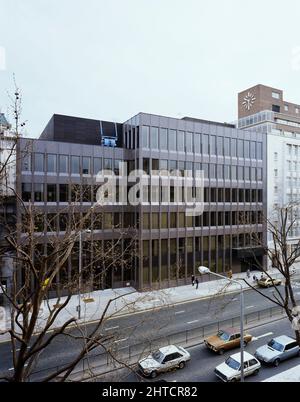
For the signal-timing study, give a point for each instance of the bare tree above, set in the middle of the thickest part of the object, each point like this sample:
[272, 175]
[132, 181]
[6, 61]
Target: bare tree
[283, 257]
[40, 253]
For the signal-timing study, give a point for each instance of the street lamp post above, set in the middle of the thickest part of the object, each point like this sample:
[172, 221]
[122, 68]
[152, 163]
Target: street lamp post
[80, 271]
[205, 270]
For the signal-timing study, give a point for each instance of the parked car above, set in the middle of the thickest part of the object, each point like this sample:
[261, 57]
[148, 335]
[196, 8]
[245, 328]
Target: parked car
[226, 340]
[278, 349]
[268, 282]
[163, 360]
[230, 370]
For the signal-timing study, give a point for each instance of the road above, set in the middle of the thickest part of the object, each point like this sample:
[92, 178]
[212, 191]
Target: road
[138, 328]
[203, 361]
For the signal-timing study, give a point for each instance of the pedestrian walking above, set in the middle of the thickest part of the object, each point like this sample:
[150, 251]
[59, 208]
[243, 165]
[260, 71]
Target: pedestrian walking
[197, 283]
[229, 274]
[193, 280]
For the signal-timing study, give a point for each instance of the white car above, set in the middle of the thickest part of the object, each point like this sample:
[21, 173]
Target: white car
[230, 370]
[163, 360]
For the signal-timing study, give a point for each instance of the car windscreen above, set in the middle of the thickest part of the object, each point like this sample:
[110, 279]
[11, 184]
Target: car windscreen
[276, 345]
[158, 356]
[233, 363]
[223, 335]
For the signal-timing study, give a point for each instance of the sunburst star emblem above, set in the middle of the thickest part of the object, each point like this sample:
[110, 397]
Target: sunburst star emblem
[249, 101]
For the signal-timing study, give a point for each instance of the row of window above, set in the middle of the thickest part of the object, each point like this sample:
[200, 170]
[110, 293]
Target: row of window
[52, 163]
[175, 220]
[211, 170]
[41, 192]
[115, 220]
[181, 141]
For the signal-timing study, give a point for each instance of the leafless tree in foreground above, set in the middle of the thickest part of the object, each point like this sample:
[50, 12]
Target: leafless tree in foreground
[283, 257]
[39, 264]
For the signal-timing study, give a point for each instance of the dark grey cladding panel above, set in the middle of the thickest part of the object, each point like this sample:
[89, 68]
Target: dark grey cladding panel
[79, 130]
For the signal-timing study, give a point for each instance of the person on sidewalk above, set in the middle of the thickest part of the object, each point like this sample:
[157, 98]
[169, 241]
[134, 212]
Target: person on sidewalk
[248, 273]
[229, 274]
[193, 280]
[197, 283]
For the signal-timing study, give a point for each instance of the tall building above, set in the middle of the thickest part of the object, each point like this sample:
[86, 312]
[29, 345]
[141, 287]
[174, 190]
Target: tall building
[170, 244]
[264, 110]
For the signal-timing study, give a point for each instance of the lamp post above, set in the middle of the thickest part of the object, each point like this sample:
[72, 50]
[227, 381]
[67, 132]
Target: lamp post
[79, 271]
[204, 271]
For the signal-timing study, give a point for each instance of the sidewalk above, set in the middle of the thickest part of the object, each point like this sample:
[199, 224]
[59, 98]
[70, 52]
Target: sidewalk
[130, 301]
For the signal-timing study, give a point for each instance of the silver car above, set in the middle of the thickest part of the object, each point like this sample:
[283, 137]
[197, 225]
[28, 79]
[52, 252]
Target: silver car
[163, 360]
[278, 349]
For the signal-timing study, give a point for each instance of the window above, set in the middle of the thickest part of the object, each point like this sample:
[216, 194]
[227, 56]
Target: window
[212, 145]
[146, 165]
[107, 164]
[180, 141]
[205, 144]
[247, 149]
[63, 164]
[51, 163]
[197, 141]
[86, 165]
[227, 146]
[276, 172]
[163, 138]
[38, 162]
[163, 164]
[146, 221]
[240, 148]
[253, 150]
[212, 171]
[275, 156]
[286, 108]
[51, 192]
[189, 142]
[26, 192]
[172, 140]
[276, 108]
[145, 136]
[164, 220]
[154, 137]
[173, 220]
[233, 147]
[275, 95]
[220, 172]
[38, 192]
[155, 221]
[220, 150]
[26, 161]
[297, 110]
[259, 150]
[63, 193]
[75, 164]
[97, 165]
[117, 167]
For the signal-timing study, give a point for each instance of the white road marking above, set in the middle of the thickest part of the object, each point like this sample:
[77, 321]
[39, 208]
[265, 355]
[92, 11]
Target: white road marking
[255, 338]
[111, 328]
[121, 340]
[12, 368]
[248, 307]
[193, 322]
[155, 301]
[235, 299]
[179, 312]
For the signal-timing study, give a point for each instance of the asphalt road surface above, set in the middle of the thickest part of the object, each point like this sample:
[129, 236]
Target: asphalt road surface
[142, 327]
[203, 361]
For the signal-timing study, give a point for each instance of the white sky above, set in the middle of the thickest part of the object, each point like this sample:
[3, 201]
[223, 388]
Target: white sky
[110, 59]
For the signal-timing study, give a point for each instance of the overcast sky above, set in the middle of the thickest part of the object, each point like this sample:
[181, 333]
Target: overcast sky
[110, 59]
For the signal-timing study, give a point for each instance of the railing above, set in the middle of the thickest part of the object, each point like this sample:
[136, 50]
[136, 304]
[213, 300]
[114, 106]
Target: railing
[103, 363]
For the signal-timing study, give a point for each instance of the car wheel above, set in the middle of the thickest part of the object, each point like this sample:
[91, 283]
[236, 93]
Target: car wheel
[153, 374]
[181, 365]
[256, 372]
[276, 362]
[233, 379]
[221, 351]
